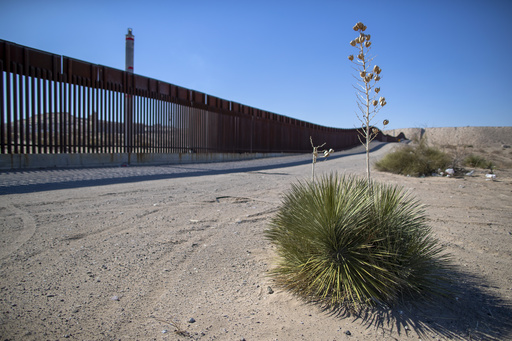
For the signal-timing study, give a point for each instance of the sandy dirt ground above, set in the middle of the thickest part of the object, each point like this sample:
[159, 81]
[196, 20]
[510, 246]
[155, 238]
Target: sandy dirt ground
[184, 258]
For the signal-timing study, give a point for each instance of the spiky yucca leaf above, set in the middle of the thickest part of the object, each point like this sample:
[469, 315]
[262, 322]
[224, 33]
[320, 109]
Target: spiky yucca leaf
[340, 241]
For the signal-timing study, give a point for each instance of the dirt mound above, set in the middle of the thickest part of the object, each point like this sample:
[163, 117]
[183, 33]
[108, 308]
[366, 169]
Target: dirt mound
[460, 136]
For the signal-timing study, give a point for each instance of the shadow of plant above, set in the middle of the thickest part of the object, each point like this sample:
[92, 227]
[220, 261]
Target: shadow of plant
[473, 312]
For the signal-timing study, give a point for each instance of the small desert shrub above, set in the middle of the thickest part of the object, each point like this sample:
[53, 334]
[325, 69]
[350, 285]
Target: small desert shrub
[414, 160]
[450, 147]
[344, 244]
[476, 161]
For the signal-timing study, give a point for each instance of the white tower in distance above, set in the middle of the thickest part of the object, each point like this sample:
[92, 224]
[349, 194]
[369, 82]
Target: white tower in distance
[130, 41]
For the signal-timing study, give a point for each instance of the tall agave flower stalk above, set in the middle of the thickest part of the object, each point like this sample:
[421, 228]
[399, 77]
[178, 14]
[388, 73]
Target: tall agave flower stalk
[367, 92]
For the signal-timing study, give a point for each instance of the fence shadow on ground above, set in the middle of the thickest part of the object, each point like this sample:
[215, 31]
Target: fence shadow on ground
[118, 175]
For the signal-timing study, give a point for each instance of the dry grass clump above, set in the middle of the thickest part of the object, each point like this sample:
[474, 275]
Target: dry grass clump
[417, 159]
[179, 329]
[477, 161]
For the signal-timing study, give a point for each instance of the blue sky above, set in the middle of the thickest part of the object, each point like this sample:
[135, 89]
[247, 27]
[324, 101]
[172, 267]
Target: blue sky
[445, 63]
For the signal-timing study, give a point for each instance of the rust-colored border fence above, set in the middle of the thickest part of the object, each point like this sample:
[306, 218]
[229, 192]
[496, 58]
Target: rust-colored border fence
[51, 104]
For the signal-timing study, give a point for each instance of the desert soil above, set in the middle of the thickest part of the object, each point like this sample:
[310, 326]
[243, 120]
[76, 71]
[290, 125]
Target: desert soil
[145, 257]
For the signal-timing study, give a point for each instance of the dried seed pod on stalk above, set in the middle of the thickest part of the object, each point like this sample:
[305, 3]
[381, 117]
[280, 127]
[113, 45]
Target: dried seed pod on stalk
[369, 74]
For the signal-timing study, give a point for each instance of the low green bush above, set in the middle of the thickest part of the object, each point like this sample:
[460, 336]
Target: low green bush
[341, 242]
[414, 160]
[477, 161]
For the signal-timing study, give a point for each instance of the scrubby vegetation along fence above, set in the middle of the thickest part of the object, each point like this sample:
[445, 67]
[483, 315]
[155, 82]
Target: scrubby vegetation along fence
[52, 104]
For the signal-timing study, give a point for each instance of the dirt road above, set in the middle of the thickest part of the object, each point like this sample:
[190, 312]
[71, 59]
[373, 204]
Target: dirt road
[121, 253]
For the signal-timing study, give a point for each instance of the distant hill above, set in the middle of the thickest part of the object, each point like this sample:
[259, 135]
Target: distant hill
[467, 136]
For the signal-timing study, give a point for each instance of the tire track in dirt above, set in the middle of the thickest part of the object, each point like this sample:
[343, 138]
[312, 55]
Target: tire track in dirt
[16, 228]
[201, 239]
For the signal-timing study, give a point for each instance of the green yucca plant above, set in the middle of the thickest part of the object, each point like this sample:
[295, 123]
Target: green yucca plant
[343, 242]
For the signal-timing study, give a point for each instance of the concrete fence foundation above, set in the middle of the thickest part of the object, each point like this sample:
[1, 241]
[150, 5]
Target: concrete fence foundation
[37, 161]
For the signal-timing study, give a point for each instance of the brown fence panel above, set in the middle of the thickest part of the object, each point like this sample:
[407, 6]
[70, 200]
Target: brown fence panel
[54, 104]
